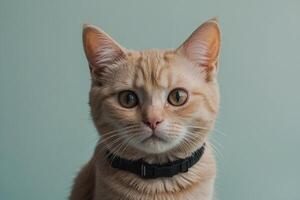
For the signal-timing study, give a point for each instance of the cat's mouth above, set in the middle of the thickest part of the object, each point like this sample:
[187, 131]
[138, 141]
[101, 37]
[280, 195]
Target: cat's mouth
[154, 138]
[156, 142]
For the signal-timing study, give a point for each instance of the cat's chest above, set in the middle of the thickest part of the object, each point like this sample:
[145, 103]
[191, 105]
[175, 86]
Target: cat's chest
[119, 185]
[196, 184]
[199, 193]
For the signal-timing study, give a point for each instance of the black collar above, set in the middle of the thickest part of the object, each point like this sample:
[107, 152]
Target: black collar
[150, 171]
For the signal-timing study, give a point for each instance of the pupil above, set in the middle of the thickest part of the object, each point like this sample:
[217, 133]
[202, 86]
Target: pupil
[129, 98]
[177, 95]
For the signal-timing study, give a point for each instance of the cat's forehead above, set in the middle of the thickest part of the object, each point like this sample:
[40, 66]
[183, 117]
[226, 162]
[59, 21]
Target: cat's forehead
[151, 60]
[157, 69]
[151, 68]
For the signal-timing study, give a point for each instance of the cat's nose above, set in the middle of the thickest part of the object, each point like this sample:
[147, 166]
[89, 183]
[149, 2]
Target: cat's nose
[153, 123]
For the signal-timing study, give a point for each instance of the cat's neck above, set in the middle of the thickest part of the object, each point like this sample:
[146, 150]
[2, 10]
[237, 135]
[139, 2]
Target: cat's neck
[172, 155]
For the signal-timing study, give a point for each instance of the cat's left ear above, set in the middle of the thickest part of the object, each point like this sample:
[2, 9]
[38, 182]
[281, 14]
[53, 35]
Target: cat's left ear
[101, 50]
[203, 47]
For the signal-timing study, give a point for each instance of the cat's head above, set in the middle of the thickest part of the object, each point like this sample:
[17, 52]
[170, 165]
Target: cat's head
[154, 101]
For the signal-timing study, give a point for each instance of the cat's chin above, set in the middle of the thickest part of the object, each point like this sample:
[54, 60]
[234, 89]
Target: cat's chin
[155, 145]
[154, 139]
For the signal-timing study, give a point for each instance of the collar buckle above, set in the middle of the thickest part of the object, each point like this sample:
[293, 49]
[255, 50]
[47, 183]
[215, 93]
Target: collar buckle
[184, 166]
[143, 170]
[148, 171]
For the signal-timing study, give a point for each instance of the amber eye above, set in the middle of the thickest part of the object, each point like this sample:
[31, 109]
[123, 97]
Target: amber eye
[128, 99]
[178, 97]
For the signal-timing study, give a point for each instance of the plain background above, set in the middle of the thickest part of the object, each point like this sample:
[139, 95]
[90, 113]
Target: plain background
[46, 133]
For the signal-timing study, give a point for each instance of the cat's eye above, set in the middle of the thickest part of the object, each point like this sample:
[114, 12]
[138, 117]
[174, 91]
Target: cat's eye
[128, 99]
[178, 97]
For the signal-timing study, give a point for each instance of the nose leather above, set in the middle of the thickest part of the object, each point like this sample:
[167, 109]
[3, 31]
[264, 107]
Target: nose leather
[153, 122]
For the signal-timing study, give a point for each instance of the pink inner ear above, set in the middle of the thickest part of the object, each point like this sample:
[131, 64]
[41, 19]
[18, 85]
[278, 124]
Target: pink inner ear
[202, 47]
[198, 52]
[101, 50]
[107, 53]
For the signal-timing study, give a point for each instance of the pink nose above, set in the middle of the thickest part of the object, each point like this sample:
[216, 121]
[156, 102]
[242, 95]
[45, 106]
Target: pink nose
[153, 123]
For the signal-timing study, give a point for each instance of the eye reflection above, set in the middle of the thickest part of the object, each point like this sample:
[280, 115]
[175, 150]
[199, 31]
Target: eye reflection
[128, 99]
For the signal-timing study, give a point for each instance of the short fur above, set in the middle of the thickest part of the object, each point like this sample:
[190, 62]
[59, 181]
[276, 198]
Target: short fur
[152, 74]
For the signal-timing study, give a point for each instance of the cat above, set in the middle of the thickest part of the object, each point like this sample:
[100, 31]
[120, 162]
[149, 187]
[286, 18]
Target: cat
[153, 106]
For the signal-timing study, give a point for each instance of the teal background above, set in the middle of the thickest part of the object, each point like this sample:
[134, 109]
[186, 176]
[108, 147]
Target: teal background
[46, 133]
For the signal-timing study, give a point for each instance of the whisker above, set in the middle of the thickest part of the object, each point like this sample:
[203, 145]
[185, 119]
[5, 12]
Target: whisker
[216, 150]
[105, 138]
[121, 129]
[125, 143]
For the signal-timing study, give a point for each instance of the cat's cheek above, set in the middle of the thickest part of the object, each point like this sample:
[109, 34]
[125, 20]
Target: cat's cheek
[205, 115]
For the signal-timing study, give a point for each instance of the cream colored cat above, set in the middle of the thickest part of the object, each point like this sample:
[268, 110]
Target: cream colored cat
[154, 106]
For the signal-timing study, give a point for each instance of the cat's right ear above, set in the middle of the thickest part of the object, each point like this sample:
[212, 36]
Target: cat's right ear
[203, 47]
[100, 49]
